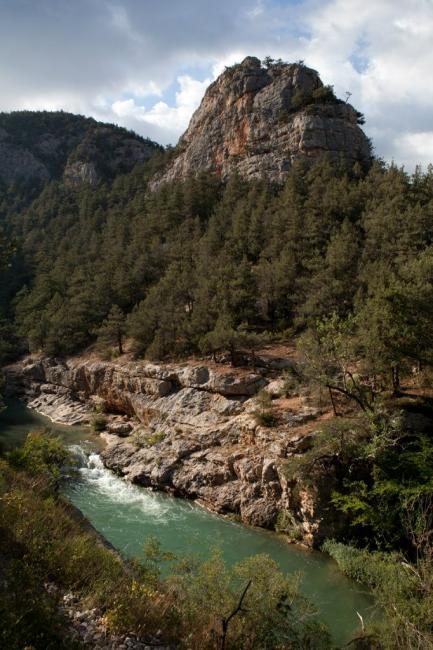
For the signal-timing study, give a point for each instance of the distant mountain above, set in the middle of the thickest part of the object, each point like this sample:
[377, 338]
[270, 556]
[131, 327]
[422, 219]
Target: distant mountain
[257, 119]
[53, 145]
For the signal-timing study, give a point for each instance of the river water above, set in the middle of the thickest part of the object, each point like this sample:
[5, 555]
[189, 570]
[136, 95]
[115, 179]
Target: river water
[126, 515]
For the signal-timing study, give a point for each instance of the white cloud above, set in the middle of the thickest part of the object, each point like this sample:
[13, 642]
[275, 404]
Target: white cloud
[257, 10]
[109, 58]
[173, 119]
[415, 148]
[394, 87]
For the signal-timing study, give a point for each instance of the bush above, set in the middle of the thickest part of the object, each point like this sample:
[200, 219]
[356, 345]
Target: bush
[154, 438]
[42, 455]
[273, 613]
[299, 99]
[291, 382]
[264, 415]
[371, 569]
[337, 443]
[266, 418]
[324, 94]
[403, 592]
[98, 422]
[287, 525]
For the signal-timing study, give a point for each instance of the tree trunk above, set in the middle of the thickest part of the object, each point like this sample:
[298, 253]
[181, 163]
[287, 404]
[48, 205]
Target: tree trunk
[365, 407]
[332, 401]
[226, 621]
[395, 379]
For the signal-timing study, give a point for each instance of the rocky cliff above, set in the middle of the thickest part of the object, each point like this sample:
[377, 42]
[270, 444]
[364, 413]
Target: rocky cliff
[42, 146]
[257, 120]
[189, 430]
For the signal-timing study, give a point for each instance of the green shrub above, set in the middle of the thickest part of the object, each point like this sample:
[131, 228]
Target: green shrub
[403, 593]
[143, 439]
[266, 418]
[264, 415]
[154, 438]
[106, 354]
[283, 116]
[291, 382]
[299, 99]
[264, 399]
[364, 566]
[282, 619]
[42, 455]
[287, 524]
[98, 422]
[324, 94]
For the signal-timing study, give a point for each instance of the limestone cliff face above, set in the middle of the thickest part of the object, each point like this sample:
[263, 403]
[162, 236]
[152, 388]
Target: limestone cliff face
[39, 146]
[189, 430]
[258, 120]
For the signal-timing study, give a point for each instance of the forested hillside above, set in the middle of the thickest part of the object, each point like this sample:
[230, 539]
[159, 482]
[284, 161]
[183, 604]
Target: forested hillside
[337, 259]
[199, 266]
[37, 146]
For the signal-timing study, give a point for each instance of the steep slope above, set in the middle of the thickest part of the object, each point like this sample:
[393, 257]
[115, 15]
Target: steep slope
[43, 145]
[257, 120]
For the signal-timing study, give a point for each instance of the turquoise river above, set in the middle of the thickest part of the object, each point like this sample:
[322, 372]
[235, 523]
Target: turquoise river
[126, 515]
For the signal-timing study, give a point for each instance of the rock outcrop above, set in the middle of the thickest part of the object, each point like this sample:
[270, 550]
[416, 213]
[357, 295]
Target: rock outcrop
[104, 152]
[257, 120]
[40, 146]
[189, 430]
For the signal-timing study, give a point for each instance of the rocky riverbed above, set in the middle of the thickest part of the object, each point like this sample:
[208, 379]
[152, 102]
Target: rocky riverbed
[190, 430]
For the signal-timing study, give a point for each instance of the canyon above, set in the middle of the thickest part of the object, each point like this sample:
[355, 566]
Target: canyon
[192, 430]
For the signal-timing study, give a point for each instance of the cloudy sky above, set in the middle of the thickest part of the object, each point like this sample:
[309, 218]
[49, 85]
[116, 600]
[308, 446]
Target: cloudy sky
[145, 64]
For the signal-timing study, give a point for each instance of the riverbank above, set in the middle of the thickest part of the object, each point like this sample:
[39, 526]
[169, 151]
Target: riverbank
[59, 578]
[126, 515]
[193, 431]
[77, 590]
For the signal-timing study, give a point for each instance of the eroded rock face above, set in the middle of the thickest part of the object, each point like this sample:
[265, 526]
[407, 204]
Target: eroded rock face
[79, 172]
[253, 120]
[186, 429]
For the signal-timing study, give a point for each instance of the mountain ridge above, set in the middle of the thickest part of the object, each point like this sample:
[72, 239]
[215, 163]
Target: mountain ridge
[256, 119]
[44, 145]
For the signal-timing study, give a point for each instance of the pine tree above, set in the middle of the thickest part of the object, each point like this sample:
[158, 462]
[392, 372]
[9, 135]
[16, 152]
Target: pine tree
[113, 329]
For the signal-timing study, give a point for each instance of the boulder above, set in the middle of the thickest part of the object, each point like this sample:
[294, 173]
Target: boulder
[259, 512]
[119, 428]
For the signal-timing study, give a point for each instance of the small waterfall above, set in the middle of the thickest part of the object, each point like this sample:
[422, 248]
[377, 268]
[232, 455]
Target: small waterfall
[79, 454]
[102, 484]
